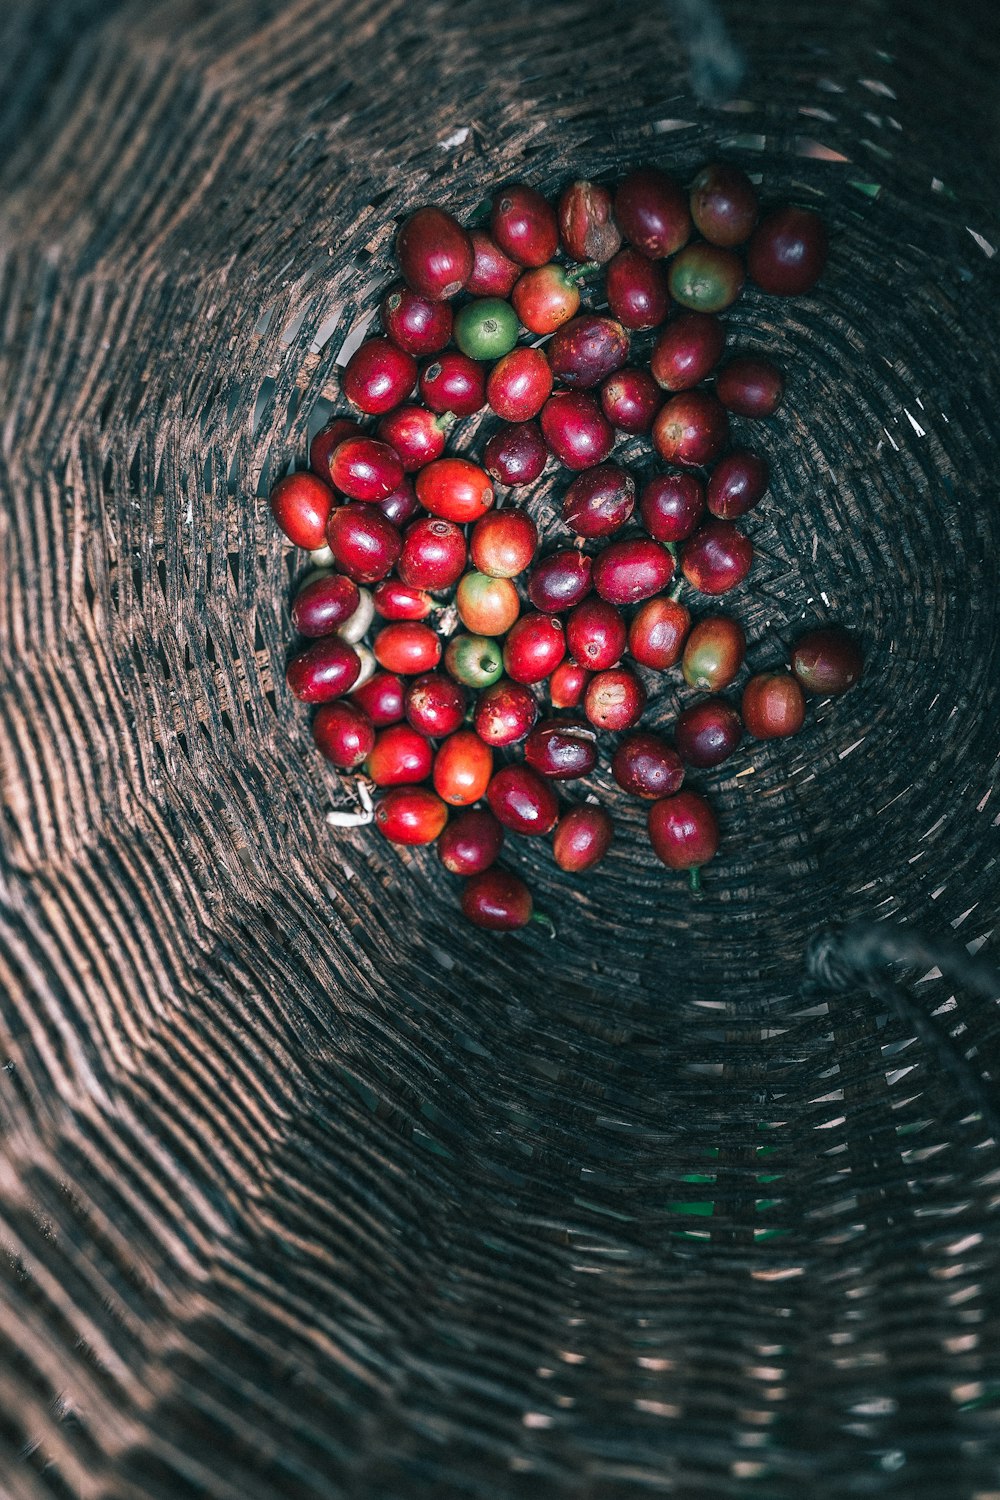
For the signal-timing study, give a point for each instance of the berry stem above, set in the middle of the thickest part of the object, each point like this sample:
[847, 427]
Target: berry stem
[677, 590]
[585, 269]
[544, 920]
[694, 880]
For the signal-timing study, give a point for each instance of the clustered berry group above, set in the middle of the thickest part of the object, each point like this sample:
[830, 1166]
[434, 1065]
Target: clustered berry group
[446, 709]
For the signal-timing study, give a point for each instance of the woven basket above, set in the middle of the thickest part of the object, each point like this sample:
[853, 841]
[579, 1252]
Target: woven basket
[307, 1190]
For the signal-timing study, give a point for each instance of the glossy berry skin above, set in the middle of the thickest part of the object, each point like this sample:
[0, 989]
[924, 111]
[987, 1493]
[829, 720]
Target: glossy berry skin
[688, 349]
[486, 328]
[630, 400]
[504, 542]
[636, 289]
[327, 441]
[475, 660]
[614, 700]
[325, 670]
[714, 653]
[323, 603]
[433, 554]
[567, 685]
[471, 842]
[378, 376]
[414, 323]
[587, 226]
[516, 453]
[402, 505]
[646, 765]
[487, 606]
[434, 705]
[691, 429]
[706, 278]
[519, 384]
[455, 490]
[381, 697]
[724, 204]
[582, 837]
[737, 484]
[576, 429]
[787, 251]
[773, 706]
[454, 383]
[522, 800]
[683, 831]
[708, 732]
[596, 635]
[400, 757]
[462, 769]
[671, 506]
[562, 749]
[364, 544]
[628, 571]
[411, 815]
[504, 713]
[716, 558]
[534, 648]
[545, 298]
[652, 212]
[301, 505]
[497, 901]
[560, 581]
[434, 253]
[407, 648]
[658, 631]
[586, 350]
[750, 387]
[343, 733]
[394, 600]
[599, 501]
[417, 435]
[364, 469]
[826, 661]
[493, 273]
[524, 225]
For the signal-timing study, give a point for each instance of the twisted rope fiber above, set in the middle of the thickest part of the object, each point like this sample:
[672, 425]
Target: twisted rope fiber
[305, 1191]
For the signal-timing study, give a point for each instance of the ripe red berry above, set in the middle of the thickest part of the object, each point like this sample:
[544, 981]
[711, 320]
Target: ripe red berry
[737, 484]
[671, 506]
[599, 501]
[636, 289]
[399, 757]
[708, 732]
[487, 606]
[787, 251]
[462, 768]
[614, 700]
[503, 542]
[714, 653]
[716, 558]
[343, 733]
[576, 429]
[688, 349]
[402, 505]
[546, 297]
[826, 661]
[628, 571]
[652, 210]
[381, 697]
[378, 376]
[323, 603]
[471, 842]
[596, 634]
[455, 490]
[750, 387]
[523, 801]
[326, 669]
[407, 647]
[435, 254]
[327, 441]
[586, 350]
[534, 648]
[364, 544]
[301, 505]
[562, 749]
[582, 837]
[497, 901]
[394, 600]
[493, 273]
[516, 453]
[630, 400]
[504, 713]
[658, 631]
[773, 706]
[454, 383]
[519, 384]
[586, 222]
[411, 815]
[415, 323]
[706, 278]
[684, 832]
[723, 204]
[433, 555]
[417, 435]
[567, 685]
[691, 429]
[364, 469]
[524, 225]
[434, 704]
[559, 581]
[647, 765]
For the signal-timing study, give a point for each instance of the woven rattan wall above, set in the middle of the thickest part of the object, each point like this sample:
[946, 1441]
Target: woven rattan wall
[305, 1192]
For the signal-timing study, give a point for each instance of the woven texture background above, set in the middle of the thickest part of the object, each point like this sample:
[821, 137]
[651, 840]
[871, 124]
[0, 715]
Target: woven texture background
[305, 1192]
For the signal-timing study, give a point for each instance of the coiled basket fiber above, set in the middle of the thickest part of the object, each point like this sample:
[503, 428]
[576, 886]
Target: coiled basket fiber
[307, 1191]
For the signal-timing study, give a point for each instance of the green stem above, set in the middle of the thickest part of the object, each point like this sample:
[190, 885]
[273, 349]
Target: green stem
[677, 590]
[694, 880]
[585, 269]
[544, 920]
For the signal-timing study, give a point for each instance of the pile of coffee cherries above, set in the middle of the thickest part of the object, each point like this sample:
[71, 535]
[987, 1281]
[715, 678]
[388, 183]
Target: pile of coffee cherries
[464, 670]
